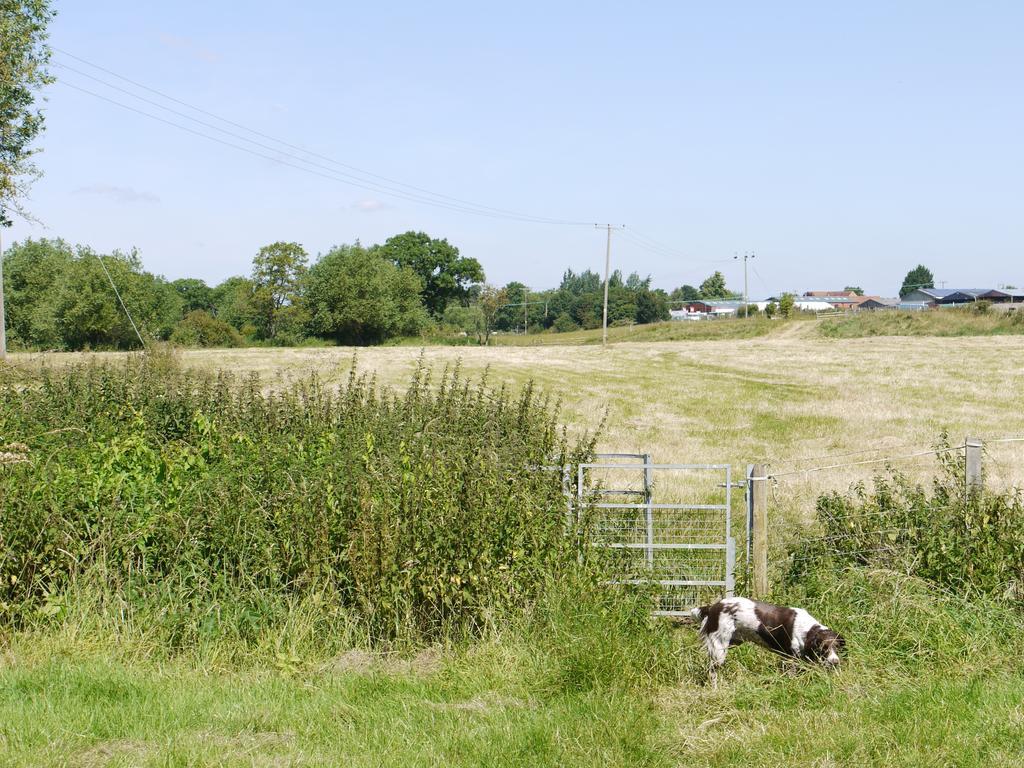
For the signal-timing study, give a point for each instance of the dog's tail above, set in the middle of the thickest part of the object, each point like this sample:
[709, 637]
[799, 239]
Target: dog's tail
[699, 614]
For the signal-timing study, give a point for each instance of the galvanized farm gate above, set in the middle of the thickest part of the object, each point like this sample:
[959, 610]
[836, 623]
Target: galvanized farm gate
[669, 525]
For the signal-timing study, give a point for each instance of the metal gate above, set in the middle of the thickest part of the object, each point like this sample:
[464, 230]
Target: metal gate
[669, 525]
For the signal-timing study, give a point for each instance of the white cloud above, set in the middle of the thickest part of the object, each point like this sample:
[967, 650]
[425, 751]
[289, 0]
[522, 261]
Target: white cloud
[118, 194]
[371, 205]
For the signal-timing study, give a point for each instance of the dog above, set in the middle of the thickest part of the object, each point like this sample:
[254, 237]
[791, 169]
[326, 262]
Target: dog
[790, 632]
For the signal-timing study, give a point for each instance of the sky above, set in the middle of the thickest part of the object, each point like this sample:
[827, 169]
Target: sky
[842, 143]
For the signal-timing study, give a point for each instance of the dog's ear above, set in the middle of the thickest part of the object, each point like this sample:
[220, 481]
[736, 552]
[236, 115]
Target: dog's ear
[813, 641]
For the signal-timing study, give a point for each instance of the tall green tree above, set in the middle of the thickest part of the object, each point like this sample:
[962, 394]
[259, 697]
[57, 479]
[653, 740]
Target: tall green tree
[854, 289]
[919, 277]
[61, 298]
[684, 293]
[445, 274]
[511, 318]
[233, 303]
[277, 272]
[787, 304]
[714, 287]
[24, 57]
[490, 301]
[195, 295]
[31, 270]
[355, 295]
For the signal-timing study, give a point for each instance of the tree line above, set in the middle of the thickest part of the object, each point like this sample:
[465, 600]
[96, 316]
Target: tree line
[63, 297]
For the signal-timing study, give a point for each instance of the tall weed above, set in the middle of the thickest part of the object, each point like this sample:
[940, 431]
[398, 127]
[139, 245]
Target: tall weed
[971, 540]
[212, 506]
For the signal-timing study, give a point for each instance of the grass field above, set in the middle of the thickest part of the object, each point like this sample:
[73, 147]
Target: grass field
[932, 679]
[791, 398]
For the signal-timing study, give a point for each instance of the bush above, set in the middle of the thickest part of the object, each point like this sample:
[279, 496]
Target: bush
[564, 323]
[208, 503]
[199, 329]
[970, 541]
[982, 307]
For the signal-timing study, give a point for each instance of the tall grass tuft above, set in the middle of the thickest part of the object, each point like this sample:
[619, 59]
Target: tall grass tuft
[201, 506]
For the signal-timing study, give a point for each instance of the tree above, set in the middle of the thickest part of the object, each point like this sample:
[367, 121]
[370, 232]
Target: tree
[854, 289]
[919, 277]
[31, 270]
[233, 303]
[714, 287]
[277, 272]
[490, 302]
[195, 295]
[89, 314]
[684, 294]
[786, 304]
[651, 306]
[355, 295]
[446, 276]
[511, 318]
[24, 57]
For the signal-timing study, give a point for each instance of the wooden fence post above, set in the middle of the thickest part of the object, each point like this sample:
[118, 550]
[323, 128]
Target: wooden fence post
[973, 451]
[759, 494]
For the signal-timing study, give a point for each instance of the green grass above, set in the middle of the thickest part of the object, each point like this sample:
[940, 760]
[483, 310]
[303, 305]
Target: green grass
[705, 330]
[945, 322]
[474, 710]
[930, 679]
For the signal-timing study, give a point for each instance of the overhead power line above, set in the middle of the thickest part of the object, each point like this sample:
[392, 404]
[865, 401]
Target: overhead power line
[327, 175]
[365, 180]
[653, 246]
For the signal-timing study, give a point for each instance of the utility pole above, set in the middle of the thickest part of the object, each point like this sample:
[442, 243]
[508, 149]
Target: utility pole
[746, 296]
[3, 319]
[526, 311]
[607, 270]
[607, 266]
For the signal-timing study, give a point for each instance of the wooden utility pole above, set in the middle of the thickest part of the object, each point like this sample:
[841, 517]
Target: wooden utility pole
[526, 311]
[746, 296]
[607, 267]
[759, 495]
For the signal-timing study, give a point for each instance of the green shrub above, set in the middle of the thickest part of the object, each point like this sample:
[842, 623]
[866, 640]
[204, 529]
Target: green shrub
[967, 540]
[564, 323]
[199, 329]
[214, 504]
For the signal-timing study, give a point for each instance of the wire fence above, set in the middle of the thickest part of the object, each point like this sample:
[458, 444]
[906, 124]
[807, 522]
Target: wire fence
[888, 525]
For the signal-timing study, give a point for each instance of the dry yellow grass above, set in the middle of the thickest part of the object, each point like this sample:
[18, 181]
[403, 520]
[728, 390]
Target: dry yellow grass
[782, 399]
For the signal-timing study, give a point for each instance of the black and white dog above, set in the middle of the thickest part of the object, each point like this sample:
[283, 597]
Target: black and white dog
[791, 632]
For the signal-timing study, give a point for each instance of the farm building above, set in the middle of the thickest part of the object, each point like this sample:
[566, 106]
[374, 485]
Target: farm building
[800, 304]
[929, 296]
[714, 307]
[952, 296]
[837, 299]
[876, 302]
